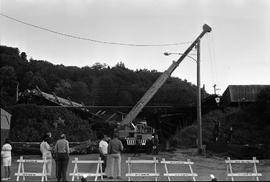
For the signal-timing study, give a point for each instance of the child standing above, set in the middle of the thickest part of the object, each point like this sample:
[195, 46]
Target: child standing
[6, 155]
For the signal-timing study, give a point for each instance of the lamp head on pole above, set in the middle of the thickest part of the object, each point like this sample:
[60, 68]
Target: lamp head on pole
[207, 28]
[217, 99]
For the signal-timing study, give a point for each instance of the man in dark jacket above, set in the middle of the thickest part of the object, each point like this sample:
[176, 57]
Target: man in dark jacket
[114, 149]
[62, 157]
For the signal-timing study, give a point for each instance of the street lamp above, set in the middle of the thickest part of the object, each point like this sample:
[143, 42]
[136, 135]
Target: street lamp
[199, 105]
[217, 99]
[176, 53]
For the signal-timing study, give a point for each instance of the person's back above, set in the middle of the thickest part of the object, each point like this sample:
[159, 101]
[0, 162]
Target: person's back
[62, 146]
[62, 157]
[115, 146]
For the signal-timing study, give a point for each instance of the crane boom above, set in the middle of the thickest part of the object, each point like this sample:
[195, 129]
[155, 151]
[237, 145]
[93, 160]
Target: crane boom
[161, 80]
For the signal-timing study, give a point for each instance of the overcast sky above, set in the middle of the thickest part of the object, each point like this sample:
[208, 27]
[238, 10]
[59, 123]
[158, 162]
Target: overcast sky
[237, 51]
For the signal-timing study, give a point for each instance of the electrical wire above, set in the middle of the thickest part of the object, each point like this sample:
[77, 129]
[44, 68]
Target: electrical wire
[212, 59]
[92, 40]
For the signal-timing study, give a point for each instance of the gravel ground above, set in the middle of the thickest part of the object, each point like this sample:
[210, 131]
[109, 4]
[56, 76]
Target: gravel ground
[203, 166]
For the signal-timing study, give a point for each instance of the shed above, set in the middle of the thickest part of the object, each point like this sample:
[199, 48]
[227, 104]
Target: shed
[237, 94]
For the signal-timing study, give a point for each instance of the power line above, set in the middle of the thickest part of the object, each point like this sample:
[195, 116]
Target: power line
[92, 40]
[211, 61]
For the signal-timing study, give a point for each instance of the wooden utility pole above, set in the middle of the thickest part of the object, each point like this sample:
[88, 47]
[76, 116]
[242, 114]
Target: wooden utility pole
[199, 116]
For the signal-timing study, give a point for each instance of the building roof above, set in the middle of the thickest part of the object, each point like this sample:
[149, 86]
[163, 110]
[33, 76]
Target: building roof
[242, 93]
[57, 100]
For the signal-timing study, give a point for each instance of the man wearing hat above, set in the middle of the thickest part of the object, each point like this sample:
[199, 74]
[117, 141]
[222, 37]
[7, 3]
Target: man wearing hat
[62, 157]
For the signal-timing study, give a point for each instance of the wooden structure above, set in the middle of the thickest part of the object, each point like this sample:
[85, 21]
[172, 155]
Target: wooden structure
[235, 95]
[21, 169]
[231, 174]
[188, 163]
[96, 174]
[153, 162]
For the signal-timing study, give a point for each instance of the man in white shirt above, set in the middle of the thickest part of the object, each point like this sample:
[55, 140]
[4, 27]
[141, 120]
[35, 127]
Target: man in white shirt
[6, 156]
[45, 149]
[103, 151]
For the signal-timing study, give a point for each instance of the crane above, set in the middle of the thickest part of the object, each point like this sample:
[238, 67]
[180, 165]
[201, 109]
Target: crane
[161, 80]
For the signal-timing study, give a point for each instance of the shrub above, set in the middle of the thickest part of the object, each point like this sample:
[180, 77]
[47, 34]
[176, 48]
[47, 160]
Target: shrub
[186, 137]
[30, 122]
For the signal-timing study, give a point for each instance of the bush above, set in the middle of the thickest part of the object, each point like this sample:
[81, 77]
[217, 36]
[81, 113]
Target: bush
[186, 137]
[30, 122]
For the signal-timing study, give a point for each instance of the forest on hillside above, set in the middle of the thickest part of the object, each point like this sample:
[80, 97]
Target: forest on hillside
[96, 85]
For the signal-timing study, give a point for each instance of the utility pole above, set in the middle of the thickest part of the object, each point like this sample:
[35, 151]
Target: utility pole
[215, 89]
[196, 43]
[199, 116]
[17, 92]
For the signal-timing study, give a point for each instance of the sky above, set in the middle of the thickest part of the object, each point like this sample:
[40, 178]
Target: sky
[235, 52]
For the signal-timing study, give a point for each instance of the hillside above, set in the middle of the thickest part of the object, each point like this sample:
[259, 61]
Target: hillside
[98, 84]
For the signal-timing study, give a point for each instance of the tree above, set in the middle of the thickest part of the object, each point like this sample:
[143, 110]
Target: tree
[24, 56]
[9, 50]
[120, 65]
[125, 98]
[39, 81]
[79, 91]
[99, 66]
[27, 80]
[108, 90]
[8, 84]
[63, 88]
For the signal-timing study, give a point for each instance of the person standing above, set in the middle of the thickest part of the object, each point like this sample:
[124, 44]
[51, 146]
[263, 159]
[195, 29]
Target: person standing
[115, 148]
[155, 142]
[6, 156]
[230, 135]
[148, 146]
[62, 157]
[137, 146]
[103, 152]
[49, 139]
[216, 131]
[45, 149]
[51, 143]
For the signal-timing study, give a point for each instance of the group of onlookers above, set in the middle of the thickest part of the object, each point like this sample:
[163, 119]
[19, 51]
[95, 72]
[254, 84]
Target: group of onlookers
[109, 150]
[60, 153]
